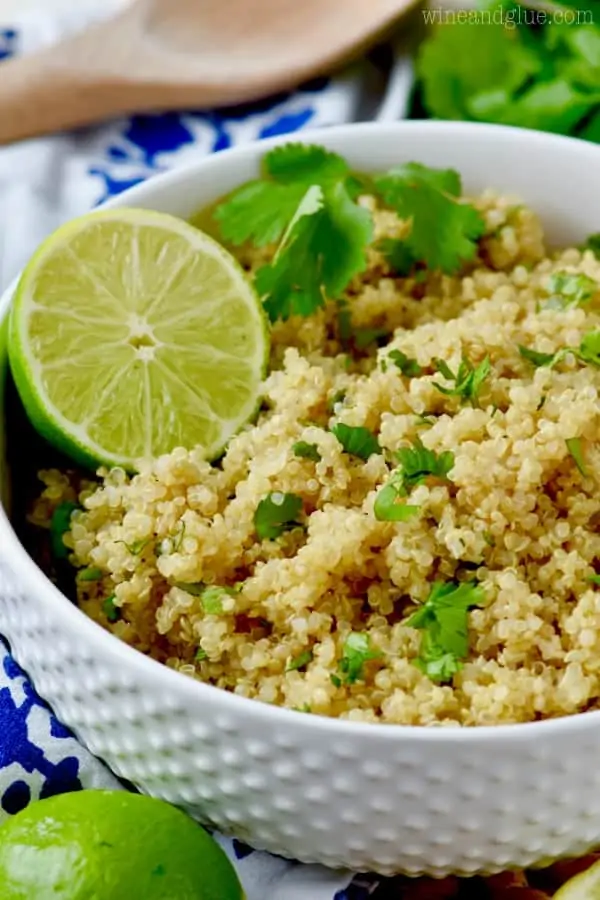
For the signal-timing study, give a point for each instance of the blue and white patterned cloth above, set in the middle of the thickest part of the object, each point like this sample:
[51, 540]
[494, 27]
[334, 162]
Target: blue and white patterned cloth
[46, 181]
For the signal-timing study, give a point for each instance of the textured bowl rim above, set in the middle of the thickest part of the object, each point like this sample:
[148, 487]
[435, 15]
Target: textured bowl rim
[97, 638]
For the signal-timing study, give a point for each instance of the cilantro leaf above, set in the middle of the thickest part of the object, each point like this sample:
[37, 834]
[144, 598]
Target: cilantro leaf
[276, 513]
[575, 449]
[110, 609]
[443, 231]
[357, 441]
[468, 380]
[260, 211]
[417, 464]
[589, 348]
[304, 450]
[306, 164]
[594, 579]
[593, 243]
[444, 620]
[397, 254]
[571, 290]
[409, 367]
[537, 358]
[365, 336]
[60, 524]
[201, 655]
[458, 62]
[212, 599]
[300, 661]
[320, 252]
[356, 652]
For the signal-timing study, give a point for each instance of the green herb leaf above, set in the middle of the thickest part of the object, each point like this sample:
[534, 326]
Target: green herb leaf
[444, 232]
[261, 210]
[444, 620]
[321, 251]
[417, 464]
[409, 367]
[336, 682]
[594, 579]
[110, 609]
[398, 255]
[589, 348]
[90, 574]
[212, 599]
[575, 449]
[136, 547]
[365, 336]
[357, 441]
[537, 358]
[201, 655]
[300, 661]
[571, 290]
[304, 450]
[60, 524]
[336, 398]
[468, 380]
[276, 513]
[593, 244]
[356, 652]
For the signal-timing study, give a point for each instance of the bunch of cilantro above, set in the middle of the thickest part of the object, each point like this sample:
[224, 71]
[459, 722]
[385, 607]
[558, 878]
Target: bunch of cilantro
[306, 203]
[516, 65]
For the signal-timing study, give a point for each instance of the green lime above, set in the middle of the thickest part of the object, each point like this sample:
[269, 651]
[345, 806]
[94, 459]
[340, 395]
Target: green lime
[111, 845]
[132, 333]
[585, 886]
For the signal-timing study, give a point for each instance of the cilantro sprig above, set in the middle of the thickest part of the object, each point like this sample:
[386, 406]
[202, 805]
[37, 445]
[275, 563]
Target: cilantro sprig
[356, 651]
[443, 231]
[416, 465]
[443, 618]
[409, 367]
[305, 450]
[356, 440]
[276, 513]
[60, 524]
[575, 449]
[587, 353]
[568, 290]
[468, 379]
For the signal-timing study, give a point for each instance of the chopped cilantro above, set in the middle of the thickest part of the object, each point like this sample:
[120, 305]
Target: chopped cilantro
[136, 547]
[468, 380]
[60, 524]
[417, 463]
[300, 661]
[397, 255]
[276, 513]
[356, 652]
[357, 441]
[92, 573]
[594, 579]
[570, 290]
[575, 449]
[444, 231]
[444, 620]
[211, 595]
[589, 348]
[409, 367]
[321, 251]
[537, 358]
[201, 655]
[593, 244]
[304, 450]
[110, 609]
[365, 336]
[335, 680]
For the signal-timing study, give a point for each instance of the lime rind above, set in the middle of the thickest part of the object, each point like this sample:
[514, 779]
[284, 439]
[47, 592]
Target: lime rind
[196, 392]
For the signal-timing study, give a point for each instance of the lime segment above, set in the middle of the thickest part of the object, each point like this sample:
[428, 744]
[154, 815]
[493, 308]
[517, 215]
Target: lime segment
[585, 886]
[133, 333]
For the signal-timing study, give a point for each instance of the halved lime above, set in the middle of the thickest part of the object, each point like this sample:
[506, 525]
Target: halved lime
[585, 886]
[132, 333]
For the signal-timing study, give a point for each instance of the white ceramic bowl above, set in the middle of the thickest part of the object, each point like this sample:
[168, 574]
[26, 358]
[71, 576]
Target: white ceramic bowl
[384, 798]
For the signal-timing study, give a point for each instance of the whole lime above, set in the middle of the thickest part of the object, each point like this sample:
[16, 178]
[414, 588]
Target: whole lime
[111, 845]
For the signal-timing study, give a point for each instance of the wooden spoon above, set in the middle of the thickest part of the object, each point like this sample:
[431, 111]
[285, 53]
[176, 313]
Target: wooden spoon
[169, 54]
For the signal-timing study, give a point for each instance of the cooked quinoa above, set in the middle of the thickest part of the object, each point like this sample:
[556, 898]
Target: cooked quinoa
[515, 513]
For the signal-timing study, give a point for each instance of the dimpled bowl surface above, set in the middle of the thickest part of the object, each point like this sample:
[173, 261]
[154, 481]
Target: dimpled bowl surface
[382, 798]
